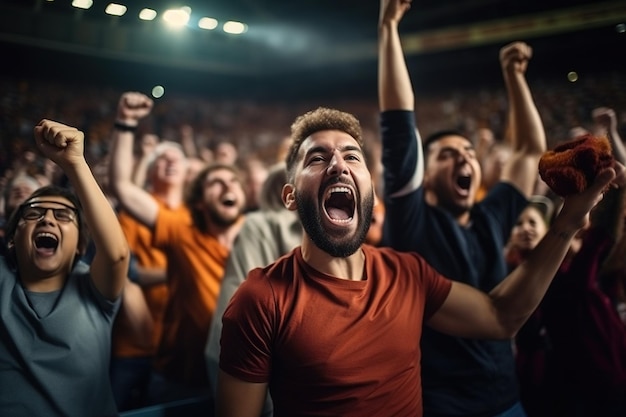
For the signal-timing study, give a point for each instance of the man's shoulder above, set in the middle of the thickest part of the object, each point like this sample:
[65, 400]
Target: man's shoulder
[287, 261]
[503, 196]
[389, 254]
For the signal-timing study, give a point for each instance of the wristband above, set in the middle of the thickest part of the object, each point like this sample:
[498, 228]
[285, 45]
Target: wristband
[123, 127]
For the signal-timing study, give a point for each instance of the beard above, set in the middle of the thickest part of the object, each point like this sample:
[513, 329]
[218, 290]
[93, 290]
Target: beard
[219, 219]
[341, 247]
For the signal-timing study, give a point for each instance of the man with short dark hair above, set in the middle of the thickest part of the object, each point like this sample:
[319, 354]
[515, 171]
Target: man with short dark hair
[333, 328]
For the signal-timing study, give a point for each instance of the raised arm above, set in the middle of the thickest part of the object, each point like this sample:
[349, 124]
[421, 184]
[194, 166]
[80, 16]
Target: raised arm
[395, 91]
[134, 199]
[65, 146]
[608, 215]
[468, 312]
[527, 135]
[148, 144]
[605, 121]
[403, 158]
[188, 141]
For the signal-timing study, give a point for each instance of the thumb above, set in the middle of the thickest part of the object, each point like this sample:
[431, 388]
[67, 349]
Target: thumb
[602, 180]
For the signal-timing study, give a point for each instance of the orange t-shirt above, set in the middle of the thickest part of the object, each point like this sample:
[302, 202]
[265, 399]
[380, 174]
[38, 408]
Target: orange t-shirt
[195, 270]
[139, 239]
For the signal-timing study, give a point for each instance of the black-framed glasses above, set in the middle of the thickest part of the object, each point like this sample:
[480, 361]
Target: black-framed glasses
[35, 212]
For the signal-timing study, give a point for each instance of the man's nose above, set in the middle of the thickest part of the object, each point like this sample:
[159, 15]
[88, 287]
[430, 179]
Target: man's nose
[526, 227]
[337, 165]
[48, 216]
[463, 155]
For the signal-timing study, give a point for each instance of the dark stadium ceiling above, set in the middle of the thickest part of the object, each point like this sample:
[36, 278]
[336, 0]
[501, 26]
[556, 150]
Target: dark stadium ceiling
[327, 43]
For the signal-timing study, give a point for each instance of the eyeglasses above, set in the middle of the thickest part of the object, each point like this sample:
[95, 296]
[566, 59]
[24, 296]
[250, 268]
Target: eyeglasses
[32, 212]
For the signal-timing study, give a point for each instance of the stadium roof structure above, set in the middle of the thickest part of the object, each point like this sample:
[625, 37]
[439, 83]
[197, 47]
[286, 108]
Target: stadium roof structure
[298, 47]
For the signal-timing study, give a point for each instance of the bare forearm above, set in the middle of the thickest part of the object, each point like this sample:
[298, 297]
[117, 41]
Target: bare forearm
[112, 253]
[99, 215]
[619, 150]
[137, 202]
[526, 128]
[189, 146]
[151, 276]
[394, 84]
[121, 168]
[140, 171]
[520, 293]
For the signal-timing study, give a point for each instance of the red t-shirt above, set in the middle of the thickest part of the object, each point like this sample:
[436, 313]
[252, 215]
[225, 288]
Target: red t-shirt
[330, 346]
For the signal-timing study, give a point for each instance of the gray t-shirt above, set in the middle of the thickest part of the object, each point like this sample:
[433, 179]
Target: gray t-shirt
[55, 348]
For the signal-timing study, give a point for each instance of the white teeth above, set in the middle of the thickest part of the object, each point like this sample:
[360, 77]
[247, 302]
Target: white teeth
[348, 220]
[339, 189]
[45, 234]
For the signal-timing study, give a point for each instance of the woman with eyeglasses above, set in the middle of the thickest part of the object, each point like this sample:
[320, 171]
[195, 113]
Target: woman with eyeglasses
[55, 311]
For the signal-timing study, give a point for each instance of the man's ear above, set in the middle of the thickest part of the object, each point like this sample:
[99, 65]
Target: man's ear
[376, 199]
[289, 196]
[11, 244]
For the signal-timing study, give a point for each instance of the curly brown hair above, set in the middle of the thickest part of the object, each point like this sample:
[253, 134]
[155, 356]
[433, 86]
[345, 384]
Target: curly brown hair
[315, 121]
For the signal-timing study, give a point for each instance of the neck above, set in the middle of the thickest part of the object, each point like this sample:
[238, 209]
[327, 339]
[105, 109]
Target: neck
[33, 281]
[226, 235]
[461, 218]
[350, 268]
[170, 195]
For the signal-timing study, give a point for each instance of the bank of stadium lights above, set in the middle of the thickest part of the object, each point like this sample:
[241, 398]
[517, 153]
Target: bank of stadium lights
[176, 18]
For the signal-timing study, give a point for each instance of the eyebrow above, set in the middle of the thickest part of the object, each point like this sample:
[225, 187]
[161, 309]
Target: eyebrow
[324, 149]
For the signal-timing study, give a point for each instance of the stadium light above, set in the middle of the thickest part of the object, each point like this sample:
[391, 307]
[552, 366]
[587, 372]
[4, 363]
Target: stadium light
[234, 28]
[82, 4]
[147, 14]
[115, 9]
[207, 23]
[176, 17]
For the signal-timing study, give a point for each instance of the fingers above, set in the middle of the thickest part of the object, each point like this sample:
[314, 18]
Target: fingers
[134, 101]
[133, 106]
[48, 132]
[603, 180]
[603, 115]
[516, 52]
[393, 10]
[620, 175]
[576, 207]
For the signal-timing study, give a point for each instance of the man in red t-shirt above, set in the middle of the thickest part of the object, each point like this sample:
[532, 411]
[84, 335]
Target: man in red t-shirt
[333, 327]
